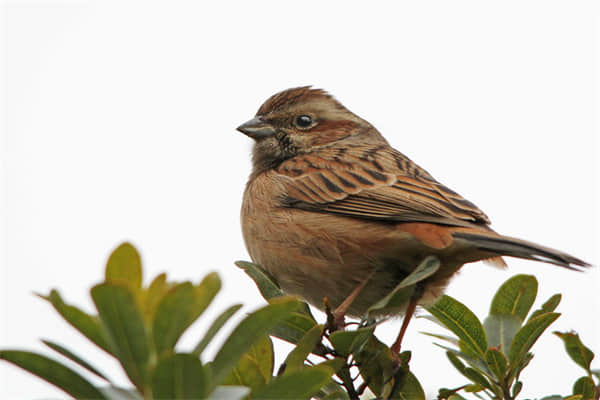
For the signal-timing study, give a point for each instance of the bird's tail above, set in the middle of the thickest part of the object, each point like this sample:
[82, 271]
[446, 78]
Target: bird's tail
[507, 246]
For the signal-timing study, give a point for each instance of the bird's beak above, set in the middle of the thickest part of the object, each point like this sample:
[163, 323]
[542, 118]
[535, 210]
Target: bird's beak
[256, 128]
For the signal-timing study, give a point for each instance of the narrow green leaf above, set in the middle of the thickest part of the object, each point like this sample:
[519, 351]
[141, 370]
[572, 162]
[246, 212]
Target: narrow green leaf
[75, 358]
[474, 388]
[585, 387]
[118, 393]
[301, 384]
[296, 357]
[255, 368]
[87, 324]
[456, 396]
[204, 293]
[252, 328]
[467, 372]
[268, 286]
[125, 266]
[53, 372]
[572, 397]
[456, 363]
[549, 306]
[517, 388]
[497, 362]
[475, 362]
[152, 296]
[446, 338]
[462, 322]
[515, 296]
[528, 335]
[500, 330]
[215, 327]
[180, 376]
[124, 325]
[576, 349]
[423, 271]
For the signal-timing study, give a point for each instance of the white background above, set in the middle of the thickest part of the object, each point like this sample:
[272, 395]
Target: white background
[119, 124]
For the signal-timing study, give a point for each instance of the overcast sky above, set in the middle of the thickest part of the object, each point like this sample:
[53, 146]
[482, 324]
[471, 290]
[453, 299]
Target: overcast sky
[119, 124]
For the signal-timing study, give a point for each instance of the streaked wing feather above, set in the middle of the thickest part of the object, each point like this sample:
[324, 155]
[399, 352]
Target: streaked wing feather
[373, 183]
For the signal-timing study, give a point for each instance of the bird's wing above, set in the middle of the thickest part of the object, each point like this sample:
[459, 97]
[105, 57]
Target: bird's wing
[375, 182]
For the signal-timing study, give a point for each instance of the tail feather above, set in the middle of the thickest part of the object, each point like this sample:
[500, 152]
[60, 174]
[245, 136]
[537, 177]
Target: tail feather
[507, 246]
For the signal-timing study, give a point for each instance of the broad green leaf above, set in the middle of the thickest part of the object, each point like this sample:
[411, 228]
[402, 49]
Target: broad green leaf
[87, 324]
[424, 270]
[346, 342]
[53, 372]
[152, 296]
[462, 322]
[204, 293]
[124, 325]
[549, 306]
[408, 388]
[180, 376]
[296, 357]
[576, 349]
[517, 388]
[515, 296]
[497, 362]
[332, 391]
[255, 368]
[377, 366]
[173, 316]
[75, 358]
[251, 329]
[300, 384]
[268, 286]
[500, 329]
[293, 327]
[124, 266]
[215, 327]
[585, 387]
[528, 335]
[474, 388]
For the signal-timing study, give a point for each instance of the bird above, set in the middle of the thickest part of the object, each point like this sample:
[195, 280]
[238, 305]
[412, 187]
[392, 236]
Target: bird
[331, 210]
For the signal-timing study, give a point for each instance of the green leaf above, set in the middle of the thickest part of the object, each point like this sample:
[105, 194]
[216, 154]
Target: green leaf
[497, 362]
[118, 393]
[528, 335]
[125, 327]
[467, 372]
[585, 387]
[456, 363]
[377, 366]
[517, 388]
[152, 296]
[124, 266]
[295, 359]
[293, 327]
[300, 384]
[462, 322]
[268, 286]
[252, 328]
[346, 342]
[87, 324]
[576, 349]
[408, 388]
[180, 376]
[549, 306]
[215, 327]
[423, 271]
[255, 368]
[515, 296]
[179, 308]
[446, 338]
[475, 362]
[53, 372]
[75, 358]
[500, 330]
[173, 316]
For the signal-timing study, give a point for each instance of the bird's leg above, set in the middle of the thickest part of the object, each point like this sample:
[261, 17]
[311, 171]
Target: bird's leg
[412, 305]
[340, 312]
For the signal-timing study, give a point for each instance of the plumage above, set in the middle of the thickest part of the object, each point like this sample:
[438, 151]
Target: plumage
[330, 205]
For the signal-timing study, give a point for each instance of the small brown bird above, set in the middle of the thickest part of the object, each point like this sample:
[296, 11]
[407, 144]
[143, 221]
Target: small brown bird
[332, 210]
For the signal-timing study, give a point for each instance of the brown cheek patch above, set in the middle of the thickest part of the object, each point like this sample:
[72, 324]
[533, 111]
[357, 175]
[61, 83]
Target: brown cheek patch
[330, 131]
[434, 236]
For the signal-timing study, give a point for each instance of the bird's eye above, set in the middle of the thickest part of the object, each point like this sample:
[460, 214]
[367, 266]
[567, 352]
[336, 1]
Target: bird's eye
[303, 121]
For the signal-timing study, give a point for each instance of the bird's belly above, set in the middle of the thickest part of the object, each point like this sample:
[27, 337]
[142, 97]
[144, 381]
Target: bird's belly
[320, 255]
